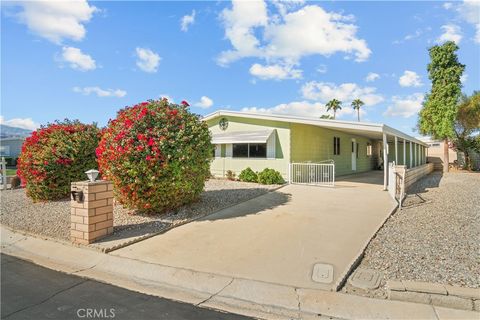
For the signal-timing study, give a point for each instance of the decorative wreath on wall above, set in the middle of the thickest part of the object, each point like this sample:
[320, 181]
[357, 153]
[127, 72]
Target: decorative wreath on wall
[223, 124]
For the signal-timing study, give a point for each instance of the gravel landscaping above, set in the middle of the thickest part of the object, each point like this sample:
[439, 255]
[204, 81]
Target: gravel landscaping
[434, 238]
[52, 219]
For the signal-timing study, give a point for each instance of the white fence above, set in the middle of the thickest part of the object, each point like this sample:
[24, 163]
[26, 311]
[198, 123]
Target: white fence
[320, 174]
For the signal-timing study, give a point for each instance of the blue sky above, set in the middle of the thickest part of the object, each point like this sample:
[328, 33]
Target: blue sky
[86, 60]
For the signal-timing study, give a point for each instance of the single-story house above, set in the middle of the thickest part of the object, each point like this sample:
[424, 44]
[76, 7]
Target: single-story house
[436, 150]
[11, 147]
[259, 141]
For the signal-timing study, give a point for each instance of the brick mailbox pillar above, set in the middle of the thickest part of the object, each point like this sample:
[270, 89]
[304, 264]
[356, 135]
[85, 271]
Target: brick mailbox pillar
[91, 211]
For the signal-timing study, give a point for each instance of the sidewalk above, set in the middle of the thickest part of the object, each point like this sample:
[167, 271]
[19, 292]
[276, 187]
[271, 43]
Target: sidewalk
[251, 298]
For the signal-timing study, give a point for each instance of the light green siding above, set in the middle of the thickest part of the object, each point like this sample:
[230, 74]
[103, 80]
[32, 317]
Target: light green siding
[280, 163]
[311, 143]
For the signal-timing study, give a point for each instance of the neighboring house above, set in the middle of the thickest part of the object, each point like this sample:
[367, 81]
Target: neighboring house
[435, 152]
[274, 141]
[11, 147]
[474, 158]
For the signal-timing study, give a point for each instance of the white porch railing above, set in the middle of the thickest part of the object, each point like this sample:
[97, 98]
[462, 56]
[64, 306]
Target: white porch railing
[320, 174]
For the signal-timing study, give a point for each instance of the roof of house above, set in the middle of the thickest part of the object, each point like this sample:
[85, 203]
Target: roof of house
[370, 130]
[12, 138]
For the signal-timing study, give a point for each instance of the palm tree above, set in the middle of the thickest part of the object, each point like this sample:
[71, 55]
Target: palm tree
[334, 105]
[326, 117]
[357, 104]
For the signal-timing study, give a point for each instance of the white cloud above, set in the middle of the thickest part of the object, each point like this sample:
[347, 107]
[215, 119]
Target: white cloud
[289, 36]
[77, 59]
[451, 32]
[346, 92]
[464, 78]
[148, 60]
[410, 79]
[187, 20]
[205, 102]
[24, 123]
[166, 96]
[372, 76]
[275, 71]
[469, 11]
[56, 20]
[101, 92]
[322, 68]
[405, 106]
[304, 109]
[447, 5]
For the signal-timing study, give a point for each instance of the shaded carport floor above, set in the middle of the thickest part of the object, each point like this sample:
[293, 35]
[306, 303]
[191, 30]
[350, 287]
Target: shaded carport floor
[277, 237]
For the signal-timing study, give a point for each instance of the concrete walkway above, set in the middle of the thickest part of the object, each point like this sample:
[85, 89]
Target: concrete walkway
[252, 298]
[278, 237]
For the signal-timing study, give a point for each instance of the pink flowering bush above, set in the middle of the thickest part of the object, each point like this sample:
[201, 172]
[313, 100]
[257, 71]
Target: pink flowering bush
[157, 154]
[54, 156]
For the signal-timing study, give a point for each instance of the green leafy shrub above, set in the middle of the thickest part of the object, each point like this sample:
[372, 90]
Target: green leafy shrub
[56, 155]
[157, 155]
[248, 175]
[270, 176]
[11, 162]
[230, 175]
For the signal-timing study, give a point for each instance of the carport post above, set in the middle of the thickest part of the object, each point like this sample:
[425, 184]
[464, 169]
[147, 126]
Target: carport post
[396, 150]
[411, 154]
[415, 155]
[385, 162]
[404, 152]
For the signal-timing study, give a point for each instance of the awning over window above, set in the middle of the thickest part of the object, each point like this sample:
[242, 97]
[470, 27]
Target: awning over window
[260, 136]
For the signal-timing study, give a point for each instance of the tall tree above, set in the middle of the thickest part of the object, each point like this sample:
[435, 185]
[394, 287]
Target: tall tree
[467, 126]
[357, 104]
[439, 111]
[334, 105]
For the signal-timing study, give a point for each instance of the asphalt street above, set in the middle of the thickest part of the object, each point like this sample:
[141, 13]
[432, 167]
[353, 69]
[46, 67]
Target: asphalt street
[29, 291]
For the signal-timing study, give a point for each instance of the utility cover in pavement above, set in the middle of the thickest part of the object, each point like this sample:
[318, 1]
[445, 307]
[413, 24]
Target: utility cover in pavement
[322, 273]
[366, 278]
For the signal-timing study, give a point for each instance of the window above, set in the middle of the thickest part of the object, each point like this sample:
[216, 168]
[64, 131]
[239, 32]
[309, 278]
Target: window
[336, 146]
[257, 150]
[357, 150]
[369, 149]
[249, 150]
[240, 150]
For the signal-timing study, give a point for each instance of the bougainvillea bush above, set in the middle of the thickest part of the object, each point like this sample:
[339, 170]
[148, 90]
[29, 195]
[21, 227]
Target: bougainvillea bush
[157, 154]
[54, 156]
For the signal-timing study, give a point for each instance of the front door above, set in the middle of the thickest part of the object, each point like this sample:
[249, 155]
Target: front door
[354, 155]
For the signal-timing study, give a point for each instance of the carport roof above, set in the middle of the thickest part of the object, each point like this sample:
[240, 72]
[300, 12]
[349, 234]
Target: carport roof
[367, 129]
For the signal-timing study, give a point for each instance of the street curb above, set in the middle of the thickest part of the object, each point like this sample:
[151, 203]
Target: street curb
[253, 298]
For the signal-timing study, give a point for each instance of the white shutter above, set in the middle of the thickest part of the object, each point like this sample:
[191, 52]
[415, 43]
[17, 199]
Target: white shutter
[271, 143]
[228, 150]
[218, 150]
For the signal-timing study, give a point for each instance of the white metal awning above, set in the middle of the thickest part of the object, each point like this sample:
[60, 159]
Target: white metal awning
[260, 136]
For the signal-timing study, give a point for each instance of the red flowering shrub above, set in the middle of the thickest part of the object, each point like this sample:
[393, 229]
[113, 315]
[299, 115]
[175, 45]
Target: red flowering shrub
[54, 156]
[157, 154]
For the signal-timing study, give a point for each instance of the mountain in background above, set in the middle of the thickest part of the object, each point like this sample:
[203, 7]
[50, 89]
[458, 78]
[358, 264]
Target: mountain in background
[9, 132]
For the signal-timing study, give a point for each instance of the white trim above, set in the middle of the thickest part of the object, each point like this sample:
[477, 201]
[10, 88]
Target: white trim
[218, 150]
[228, 150]
[333, 124]
[271, 144]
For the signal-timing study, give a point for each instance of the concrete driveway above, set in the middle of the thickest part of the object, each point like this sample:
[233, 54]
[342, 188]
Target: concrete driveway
[278, 237]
